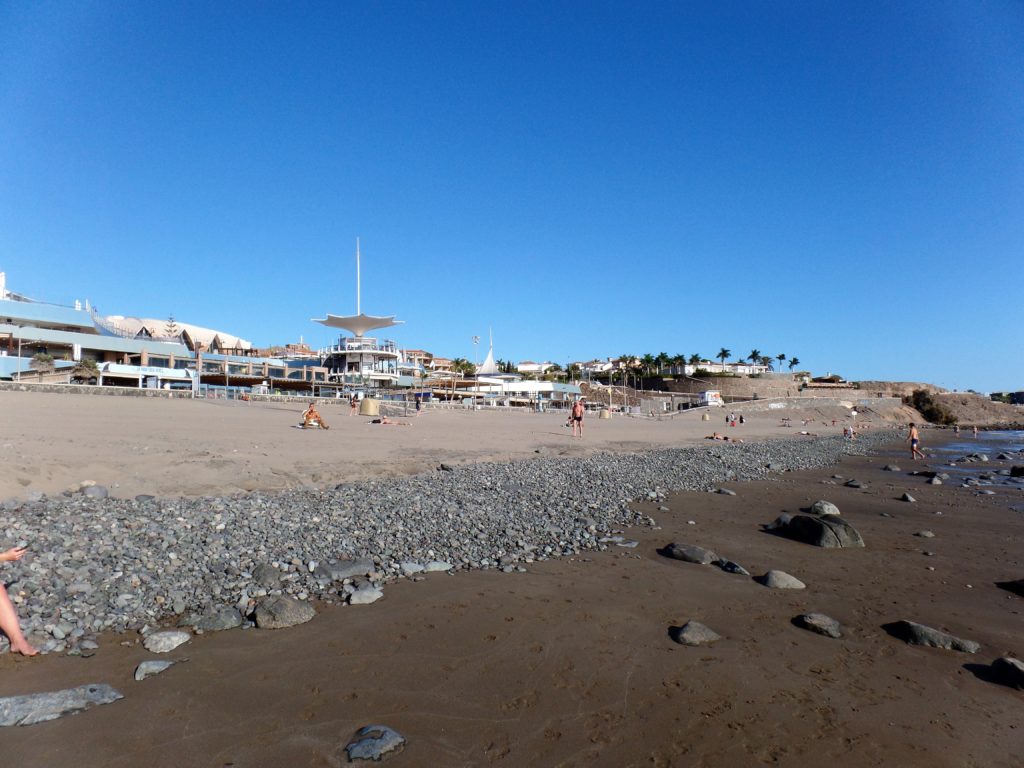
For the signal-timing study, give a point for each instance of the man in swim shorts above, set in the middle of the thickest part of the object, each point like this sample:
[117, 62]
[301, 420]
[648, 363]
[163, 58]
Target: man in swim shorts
[915, 440]
[576, 417]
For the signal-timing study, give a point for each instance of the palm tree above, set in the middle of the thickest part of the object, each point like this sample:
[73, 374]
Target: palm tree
[662, 360]
[677, 362]
[574, 371]
[754, 356]
[86, 369]
[781, 357]
[463, 366]
[42, 364]
[723, 354]
[694, 359]
[766, 361]
[647, 364]
[793, 362]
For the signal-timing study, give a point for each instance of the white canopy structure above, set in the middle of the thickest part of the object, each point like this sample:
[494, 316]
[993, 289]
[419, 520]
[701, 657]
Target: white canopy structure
[358, 324]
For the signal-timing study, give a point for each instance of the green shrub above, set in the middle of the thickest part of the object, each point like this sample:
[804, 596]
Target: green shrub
[929, 407]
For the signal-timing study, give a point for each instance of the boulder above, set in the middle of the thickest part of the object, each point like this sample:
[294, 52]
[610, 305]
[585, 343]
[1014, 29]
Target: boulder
[1016, 471]
[818, 622]
[693, 633]
[891, 468]
[279, 611]
[365, 595]
[918, 634]
[219, 618]
[822, 507]
[780, 580]
[855, 484]
[165, 641]
[1009, 671]
[730, 567]
[150, 668]
[35, 708]
[907, 497]
[689, 553]
[830, 531]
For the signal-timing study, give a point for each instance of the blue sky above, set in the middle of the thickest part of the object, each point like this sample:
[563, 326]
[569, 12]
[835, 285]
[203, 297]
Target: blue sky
[839, 182]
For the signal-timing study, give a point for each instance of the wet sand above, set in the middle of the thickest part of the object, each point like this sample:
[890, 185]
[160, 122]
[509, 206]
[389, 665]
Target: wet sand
[570, 664]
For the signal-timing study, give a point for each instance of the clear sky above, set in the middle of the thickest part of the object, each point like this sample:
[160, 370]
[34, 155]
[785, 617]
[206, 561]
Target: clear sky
[842, 182]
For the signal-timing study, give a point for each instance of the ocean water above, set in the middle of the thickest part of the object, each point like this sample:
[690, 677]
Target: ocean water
[990, 442]
[982, 476]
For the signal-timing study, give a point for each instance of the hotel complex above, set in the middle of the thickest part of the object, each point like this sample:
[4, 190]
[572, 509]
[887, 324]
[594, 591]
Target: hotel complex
[50, 343]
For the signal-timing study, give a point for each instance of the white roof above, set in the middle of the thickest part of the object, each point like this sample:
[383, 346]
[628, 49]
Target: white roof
[158, 330]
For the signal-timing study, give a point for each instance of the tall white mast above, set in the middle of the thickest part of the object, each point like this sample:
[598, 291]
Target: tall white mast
[358, 310]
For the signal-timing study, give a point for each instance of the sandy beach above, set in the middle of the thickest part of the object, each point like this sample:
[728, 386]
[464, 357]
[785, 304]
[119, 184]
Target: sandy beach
[163, 447]
[569, 663]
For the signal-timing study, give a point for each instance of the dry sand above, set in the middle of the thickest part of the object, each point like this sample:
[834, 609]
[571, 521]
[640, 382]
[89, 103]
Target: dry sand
[53, 442]
[570, 664]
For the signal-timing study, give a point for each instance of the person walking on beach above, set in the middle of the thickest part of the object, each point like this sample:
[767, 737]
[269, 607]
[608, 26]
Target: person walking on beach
[975, 433]
[8, 616]
[915, 440]
[353, 405]
[576, 417]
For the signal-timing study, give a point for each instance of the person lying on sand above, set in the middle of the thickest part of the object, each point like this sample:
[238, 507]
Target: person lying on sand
[311, 418]
[385, 421]
[8, 616]
[724, 438]
[809, 434]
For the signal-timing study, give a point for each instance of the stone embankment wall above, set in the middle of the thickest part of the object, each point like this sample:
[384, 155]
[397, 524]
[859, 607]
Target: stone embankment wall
[783, 385]
[86, 389]
[741, 388]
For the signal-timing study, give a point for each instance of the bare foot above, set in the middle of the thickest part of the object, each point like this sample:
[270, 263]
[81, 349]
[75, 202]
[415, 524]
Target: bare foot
[24, 649]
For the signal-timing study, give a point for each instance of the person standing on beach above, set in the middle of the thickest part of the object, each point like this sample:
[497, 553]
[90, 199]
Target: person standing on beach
[576, 417]
[915, 440]
[8, 616]
[975, 433]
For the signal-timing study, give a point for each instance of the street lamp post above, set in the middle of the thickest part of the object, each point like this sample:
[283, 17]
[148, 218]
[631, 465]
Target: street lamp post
[19, 352]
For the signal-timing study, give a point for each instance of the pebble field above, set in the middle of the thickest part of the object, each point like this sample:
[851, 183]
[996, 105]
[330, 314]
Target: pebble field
[99, 563]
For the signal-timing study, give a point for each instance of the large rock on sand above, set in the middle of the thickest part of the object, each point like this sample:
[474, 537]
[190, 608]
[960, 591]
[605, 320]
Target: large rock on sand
[829, 531]
[689, 553]
[35, 708]
[278, 612]
[780, 580]
[694, 633]
[822, 507]
[1009, 671]
[919, 634]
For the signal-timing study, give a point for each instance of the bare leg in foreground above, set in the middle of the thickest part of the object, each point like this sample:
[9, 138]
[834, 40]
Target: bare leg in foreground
[8, 616]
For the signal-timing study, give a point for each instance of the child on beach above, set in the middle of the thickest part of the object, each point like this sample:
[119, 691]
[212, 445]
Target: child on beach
[8, 616]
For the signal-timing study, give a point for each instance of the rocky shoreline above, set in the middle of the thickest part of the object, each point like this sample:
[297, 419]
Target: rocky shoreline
[100, 564]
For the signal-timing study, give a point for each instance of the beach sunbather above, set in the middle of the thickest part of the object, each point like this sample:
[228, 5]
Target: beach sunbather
[8, 616]
[311, 418]
[385, 421]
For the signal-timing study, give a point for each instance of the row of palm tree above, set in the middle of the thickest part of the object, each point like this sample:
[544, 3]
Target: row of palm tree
[639, 365]
[649, 364]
